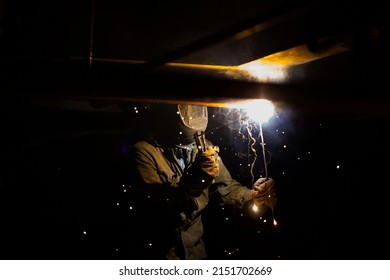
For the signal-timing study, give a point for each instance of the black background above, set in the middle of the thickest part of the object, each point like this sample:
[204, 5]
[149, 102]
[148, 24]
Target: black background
[65, 179]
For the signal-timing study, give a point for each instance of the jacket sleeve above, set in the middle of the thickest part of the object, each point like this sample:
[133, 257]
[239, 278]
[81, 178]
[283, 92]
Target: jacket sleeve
[227, 190]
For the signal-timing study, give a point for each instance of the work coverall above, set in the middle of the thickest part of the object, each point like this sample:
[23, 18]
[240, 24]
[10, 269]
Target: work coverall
[174, 215]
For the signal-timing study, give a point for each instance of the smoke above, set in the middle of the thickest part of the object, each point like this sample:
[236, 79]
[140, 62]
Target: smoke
[230, 118]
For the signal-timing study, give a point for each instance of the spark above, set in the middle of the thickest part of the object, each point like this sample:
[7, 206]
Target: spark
[255, 208]
[251, 145]
[258, 110]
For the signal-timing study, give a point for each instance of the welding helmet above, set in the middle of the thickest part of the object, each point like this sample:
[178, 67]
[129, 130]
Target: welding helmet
[177, 124]
[193, 117]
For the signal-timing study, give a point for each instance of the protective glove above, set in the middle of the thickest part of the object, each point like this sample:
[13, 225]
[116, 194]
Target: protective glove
[201, 173]
[263, 193]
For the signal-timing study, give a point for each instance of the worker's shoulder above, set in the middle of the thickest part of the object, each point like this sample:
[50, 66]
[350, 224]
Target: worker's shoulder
[143, 144]
[146, 146]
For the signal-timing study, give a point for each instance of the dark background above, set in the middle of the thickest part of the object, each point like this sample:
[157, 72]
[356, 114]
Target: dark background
[72, 73]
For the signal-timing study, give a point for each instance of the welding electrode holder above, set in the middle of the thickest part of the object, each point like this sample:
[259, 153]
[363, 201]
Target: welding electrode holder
[200, 140]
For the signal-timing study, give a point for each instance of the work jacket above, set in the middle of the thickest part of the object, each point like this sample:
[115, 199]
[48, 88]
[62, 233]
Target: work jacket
[174, 215]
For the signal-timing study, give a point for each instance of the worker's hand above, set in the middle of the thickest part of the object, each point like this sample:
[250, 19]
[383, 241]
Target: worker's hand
[263, 192]
[207, 162]
[201, 173]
